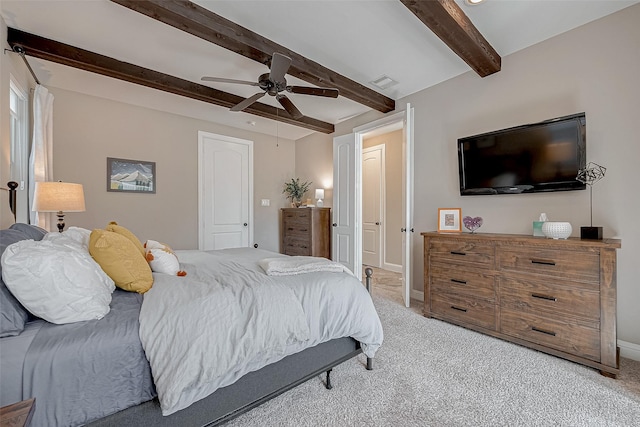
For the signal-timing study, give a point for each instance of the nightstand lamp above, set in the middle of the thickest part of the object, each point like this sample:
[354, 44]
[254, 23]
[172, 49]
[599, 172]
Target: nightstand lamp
[319, 196]
[58, 197]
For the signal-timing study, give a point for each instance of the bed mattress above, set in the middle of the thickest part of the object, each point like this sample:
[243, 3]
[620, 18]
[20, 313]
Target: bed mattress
[81, 371]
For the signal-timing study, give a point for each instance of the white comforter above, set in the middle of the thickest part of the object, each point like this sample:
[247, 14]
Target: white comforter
[227, 318]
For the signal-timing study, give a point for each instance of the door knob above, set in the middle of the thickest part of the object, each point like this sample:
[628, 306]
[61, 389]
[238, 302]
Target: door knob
[402, 230]
[334, 224]
[245, 224]
[377, 223]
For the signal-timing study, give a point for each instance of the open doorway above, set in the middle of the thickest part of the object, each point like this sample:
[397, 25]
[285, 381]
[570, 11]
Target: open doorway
[347, 196]
[381, 207]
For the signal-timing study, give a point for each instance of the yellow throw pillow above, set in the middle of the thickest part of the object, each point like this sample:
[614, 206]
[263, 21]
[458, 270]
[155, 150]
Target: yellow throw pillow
[120, 259]
[113, 226]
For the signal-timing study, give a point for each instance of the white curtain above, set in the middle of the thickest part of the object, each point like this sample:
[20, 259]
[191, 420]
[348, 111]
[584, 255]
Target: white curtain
[41, 157]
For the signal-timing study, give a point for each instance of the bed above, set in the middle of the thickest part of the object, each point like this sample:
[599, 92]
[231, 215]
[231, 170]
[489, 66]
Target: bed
[130, 368]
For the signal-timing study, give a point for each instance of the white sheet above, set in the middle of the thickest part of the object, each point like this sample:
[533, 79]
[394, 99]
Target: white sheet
[186, 323]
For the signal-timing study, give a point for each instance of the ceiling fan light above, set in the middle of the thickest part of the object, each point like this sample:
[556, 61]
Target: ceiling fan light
[473, 2]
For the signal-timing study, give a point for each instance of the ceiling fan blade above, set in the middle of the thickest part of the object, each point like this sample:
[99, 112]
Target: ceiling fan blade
[279, 66]
[223, 80]
[288, 105]
[317, 91]
[244, 104]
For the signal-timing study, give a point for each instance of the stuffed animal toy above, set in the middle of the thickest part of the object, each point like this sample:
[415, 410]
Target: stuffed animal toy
[162, 259]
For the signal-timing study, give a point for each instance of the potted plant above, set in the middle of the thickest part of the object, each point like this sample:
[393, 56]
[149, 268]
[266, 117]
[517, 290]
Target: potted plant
[295, 190]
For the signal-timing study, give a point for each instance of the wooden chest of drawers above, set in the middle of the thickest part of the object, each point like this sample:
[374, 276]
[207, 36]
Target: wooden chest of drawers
[306, 231]
[556, 296]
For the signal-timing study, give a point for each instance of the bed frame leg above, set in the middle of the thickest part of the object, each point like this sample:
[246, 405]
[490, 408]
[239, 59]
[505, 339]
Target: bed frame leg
[369, 273]
[328, 384]
[367, 282]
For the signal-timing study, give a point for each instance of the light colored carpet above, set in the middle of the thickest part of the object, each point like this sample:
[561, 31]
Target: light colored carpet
[430, 373]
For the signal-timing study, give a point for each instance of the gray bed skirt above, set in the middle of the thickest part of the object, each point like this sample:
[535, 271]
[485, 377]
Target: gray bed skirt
[248, 392]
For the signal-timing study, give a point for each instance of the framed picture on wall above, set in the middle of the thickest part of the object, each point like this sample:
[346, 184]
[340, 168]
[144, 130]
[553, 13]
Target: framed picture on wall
[131, 176]
[449, 220]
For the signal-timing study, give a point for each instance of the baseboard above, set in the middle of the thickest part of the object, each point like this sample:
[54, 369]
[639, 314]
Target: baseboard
[419, 295]
[629, 350]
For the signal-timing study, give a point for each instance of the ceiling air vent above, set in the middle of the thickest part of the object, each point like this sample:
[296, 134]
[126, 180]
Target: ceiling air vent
[383, 82]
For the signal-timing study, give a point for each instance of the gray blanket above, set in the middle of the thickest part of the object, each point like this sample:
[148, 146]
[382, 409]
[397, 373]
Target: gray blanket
[83, 371]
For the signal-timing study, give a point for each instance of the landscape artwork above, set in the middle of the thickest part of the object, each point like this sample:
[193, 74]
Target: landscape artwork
[131, 175]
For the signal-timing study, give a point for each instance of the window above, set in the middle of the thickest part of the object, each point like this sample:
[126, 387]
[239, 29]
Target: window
[19, 125]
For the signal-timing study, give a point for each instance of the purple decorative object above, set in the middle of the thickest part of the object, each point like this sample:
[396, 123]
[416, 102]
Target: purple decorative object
[472, 224]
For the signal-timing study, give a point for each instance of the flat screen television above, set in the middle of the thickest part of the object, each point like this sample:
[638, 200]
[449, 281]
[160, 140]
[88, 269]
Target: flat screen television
[537, 157]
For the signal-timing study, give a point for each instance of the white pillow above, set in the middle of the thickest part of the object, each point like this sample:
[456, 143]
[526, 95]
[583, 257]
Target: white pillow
[72, 236]
[58, 282]
[162, 259]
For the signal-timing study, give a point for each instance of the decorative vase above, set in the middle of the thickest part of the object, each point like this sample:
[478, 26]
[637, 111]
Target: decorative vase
[556, 229]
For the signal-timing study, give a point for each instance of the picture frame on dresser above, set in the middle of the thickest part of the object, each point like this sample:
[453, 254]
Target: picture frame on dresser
[449, 220]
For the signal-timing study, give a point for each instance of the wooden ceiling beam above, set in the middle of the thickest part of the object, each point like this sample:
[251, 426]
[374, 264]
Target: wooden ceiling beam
[455, 29]
[201, 22]
[51, 50]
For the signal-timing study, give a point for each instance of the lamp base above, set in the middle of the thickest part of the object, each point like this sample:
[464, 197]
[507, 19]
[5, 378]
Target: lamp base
[61, 224]
[592, 233]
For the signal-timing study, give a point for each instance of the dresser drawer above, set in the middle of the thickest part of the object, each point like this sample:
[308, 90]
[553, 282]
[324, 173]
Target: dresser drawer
[571, 338]
[446, 277]
[297, 228]
[556, 300]
[570, 265]
[298, 214]
[296, 246]
[464, 310]
[463, 252]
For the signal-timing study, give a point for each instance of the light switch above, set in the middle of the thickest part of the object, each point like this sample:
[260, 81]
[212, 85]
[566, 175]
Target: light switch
[265, 202]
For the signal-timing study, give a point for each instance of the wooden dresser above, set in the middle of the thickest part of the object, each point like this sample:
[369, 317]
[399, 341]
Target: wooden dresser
[306, 231]
[556, 296]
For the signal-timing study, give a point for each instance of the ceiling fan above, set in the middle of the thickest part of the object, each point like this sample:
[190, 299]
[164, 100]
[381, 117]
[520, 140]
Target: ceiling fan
[273, 83]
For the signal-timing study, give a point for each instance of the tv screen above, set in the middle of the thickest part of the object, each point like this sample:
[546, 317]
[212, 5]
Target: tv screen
[543, 156]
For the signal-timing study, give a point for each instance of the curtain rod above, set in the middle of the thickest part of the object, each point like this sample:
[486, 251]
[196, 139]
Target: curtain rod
[20, 51]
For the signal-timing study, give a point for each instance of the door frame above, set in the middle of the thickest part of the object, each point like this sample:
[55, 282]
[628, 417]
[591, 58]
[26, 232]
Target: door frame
[228, 139]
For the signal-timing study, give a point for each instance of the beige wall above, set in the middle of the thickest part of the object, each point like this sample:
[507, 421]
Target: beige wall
[594, 69]
[316, 165]
[393, 193]
[88, 129]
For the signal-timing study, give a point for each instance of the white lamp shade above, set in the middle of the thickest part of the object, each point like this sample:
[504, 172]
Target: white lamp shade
[319, 193]
[58, 196]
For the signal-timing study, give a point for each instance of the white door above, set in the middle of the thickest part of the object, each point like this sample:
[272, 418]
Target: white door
[225, 184]
[407, 203]
[372, 204]
[346, 236]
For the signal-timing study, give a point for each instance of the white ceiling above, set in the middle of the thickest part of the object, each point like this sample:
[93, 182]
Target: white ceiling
[360, 39]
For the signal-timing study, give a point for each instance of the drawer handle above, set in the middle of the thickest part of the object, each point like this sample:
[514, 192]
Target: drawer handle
[543, 262]
[464, 310]
[462, 282]
[303, 229]
[457, 253]
[545, 297]
[542, 331]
